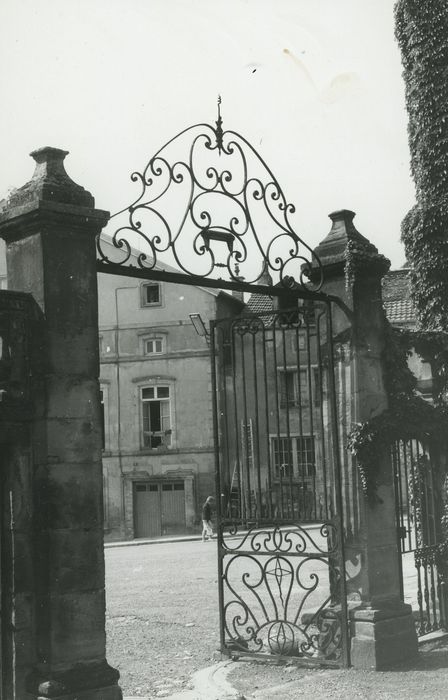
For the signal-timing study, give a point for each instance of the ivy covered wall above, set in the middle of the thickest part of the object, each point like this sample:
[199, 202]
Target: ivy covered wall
[422, 34]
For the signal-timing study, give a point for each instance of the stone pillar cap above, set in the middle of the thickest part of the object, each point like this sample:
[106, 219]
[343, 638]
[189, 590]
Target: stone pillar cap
[50, 183]
[343, 235]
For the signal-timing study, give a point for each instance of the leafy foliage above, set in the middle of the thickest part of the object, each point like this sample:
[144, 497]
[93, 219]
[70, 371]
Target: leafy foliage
[408, 416]
[422, 33]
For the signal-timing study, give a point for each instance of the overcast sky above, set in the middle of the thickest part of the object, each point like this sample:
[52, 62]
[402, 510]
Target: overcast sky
[314, 85]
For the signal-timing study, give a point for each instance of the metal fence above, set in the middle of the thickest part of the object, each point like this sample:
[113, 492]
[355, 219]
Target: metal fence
[419, 510]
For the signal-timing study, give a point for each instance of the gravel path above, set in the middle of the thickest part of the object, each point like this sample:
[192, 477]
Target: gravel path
[162, 627]
[162, 614]
[426, 679]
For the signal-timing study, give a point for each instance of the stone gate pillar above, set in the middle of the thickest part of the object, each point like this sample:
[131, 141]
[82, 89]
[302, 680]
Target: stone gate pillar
[49, 226]
[382, 627]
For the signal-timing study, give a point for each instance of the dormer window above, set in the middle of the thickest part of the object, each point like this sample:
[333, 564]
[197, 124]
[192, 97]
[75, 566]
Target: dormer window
[151, 294]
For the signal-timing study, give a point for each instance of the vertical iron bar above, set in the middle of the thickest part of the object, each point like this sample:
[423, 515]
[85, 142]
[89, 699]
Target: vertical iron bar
[409, 506]
[245, 429]
[256, 453]
[426, 594]
[322, 420]
[397, 478]
[434, 510]
[277, 405]
[300, 501]
[268, 446]
[228, 477]
[435, 624]
[221, 553]
[414, 487]
[242, 513]
[288, 426]
[310, 397]
[400, 512]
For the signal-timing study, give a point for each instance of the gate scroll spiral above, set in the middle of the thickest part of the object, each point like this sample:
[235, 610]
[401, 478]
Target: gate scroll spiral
[267, 609]
[210, 205]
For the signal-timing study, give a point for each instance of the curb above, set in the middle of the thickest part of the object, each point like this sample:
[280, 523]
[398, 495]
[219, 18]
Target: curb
[139, 543]
[170, 540]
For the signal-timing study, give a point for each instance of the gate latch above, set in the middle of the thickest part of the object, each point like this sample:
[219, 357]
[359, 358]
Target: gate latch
[402, 532]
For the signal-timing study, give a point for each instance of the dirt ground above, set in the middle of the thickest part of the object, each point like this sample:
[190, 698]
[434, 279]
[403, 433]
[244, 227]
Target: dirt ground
[425, 679]
[162, 626]
[162, 614]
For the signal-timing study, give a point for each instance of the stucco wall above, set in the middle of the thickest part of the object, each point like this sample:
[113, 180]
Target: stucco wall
[184, 366]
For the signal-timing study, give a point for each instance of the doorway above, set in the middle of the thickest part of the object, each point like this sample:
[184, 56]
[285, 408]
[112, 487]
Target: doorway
[159, 508]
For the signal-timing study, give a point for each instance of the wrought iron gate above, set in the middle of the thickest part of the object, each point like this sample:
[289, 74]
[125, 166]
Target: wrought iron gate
[281, 558]
[210, 205]
[419, 511]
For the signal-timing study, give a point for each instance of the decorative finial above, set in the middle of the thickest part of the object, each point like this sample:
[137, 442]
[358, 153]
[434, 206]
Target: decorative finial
[219, 131]
[237, 270]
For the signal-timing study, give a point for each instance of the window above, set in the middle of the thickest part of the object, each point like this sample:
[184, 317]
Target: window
[294, 456]
[289, 388]
[151, 294]
[291, 394]
[156, 414]
[153, 346]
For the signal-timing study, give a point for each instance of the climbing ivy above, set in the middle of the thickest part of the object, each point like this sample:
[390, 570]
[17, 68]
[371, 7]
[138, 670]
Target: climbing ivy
[421, 30]
[408, 415]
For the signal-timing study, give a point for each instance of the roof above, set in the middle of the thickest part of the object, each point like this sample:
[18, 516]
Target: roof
[106, 241]
[397, 302]
[400, 311]
[260, 303]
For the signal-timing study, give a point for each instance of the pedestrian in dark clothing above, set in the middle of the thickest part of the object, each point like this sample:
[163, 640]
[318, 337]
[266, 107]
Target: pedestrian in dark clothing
[207, 527]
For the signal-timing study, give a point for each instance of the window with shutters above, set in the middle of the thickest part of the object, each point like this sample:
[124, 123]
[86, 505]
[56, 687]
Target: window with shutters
[156, 416]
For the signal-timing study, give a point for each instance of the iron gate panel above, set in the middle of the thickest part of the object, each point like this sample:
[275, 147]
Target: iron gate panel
[279, 512]
[419, 511]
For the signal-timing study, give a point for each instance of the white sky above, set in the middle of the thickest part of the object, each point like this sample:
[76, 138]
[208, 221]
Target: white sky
[314, 85]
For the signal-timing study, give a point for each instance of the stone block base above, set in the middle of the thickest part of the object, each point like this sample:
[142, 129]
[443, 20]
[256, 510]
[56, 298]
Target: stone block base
[83, 682]
[111, 693]
[382, 638]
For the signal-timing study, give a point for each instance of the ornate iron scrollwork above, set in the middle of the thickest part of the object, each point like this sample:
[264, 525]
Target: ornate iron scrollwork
[282, 604]
[219, 207]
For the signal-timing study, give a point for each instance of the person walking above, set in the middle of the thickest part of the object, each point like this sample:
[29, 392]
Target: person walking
[207, 527]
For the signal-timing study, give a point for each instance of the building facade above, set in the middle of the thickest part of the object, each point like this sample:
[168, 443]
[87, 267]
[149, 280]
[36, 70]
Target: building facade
[155, 377]
[158, 449]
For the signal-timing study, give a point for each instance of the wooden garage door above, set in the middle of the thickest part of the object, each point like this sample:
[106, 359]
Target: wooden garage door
[147, 512]
[173, 508]
[159, 508]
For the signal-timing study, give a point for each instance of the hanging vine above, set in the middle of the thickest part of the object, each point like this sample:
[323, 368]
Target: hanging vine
[422, 33]
[408, 415]
[421, 30]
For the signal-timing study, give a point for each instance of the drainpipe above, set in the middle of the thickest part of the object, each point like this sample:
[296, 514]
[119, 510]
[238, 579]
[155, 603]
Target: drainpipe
[117, 352]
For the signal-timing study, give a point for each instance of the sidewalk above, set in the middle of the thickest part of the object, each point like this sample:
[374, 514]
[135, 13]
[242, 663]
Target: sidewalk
[159, 540]
[181, 538]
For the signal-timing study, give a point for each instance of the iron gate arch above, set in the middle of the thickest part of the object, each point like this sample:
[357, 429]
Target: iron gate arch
[234, 218]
